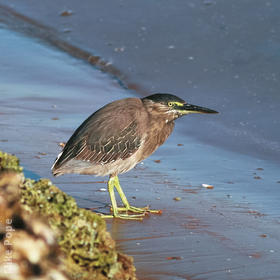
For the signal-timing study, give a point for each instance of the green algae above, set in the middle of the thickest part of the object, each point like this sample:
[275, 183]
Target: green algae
[81, 234]
[9, 162]
[32, 246]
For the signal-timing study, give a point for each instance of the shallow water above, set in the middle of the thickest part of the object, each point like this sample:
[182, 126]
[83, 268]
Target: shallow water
[213, 53]
[229, 232]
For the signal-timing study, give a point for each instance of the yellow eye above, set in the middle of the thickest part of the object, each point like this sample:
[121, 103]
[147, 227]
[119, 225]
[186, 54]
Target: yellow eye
[170, 104]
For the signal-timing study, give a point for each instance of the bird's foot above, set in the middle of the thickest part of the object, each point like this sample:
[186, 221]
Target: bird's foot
[134, 209]
[142, 212]
[138, 217]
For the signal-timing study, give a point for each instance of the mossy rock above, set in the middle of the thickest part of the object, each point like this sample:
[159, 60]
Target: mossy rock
[89, 250]
[9, 162]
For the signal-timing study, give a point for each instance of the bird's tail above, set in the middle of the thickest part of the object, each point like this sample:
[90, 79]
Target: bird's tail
[56, 173]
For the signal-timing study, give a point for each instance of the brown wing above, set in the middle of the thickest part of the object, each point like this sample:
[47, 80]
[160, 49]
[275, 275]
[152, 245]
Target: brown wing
[103, 138]
[102, 151]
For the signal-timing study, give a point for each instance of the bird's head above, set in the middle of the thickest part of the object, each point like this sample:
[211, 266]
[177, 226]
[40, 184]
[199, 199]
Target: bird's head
[172, 107]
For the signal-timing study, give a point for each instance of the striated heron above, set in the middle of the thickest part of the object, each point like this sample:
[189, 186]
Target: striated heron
[117, 137]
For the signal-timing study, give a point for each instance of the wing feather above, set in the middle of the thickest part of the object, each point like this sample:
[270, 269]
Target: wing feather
[120, 146]
[93, 146]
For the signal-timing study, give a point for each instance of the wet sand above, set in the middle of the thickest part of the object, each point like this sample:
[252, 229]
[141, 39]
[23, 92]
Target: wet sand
[229, 232]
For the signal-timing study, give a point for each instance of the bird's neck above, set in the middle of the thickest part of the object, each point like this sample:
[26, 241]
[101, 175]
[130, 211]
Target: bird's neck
[160, 129]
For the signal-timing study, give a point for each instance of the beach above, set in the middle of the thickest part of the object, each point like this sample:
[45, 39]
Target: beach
[57, 69]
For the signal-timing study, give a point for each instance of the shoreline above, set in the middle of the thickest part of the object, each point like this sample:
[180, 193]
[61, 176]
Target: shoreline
[240, 127]
[227, 221]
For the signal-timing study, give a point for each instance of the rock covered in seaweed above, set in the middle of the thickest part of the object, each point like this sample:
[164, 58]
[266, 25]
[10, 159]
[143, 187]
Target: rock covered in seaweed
[82, 234]
[9, 162]
[27, 244]
[88, 249]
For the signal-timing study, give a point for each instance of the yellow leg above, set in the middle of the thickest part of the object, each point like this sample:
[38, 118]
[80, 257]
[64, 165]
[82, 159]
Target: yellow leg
[127, 206]
[114, 182]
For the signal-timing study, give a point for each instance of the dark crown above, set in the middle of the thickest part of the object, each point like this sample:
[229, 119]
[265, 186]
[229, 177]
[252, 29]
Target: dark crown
[164, 98]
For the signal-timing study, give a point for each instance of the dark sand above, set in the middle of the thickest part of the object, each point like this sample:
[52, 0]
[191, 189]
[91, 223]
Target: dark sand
[230, 232]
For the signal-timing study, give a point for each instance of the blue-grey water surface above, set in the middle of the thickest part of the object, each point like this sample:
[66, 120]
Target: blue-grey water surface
[216, 234]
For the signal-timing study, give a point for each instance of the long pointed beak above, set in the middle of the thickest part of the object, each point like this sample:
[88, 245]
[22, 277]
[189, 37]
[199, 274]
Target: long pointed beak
[189, 109]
